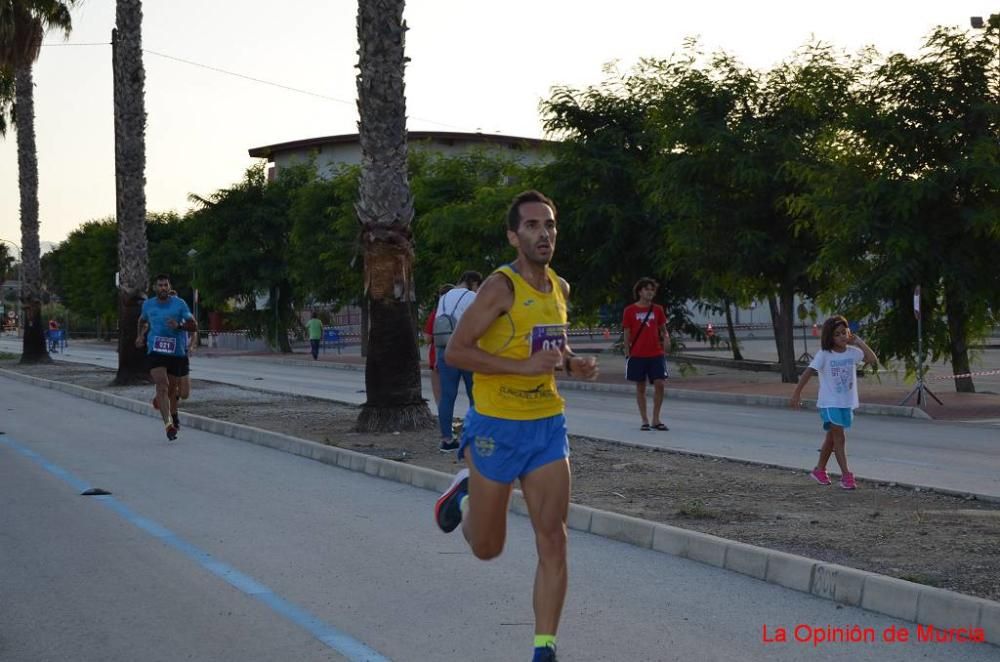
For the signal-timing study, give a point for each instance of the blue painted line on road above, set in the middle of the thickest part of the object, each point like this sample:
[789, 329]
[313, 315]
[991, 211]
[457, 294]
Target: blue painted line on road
[340, 641]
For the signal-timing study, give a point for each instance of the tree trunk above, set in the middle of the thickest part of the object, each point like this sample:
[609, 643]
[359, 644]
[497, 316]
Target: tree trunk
[733, 343]
[385, 212]
[281, 297]
[130, 186]
[34, 349]
[957, 341]
[781, 321]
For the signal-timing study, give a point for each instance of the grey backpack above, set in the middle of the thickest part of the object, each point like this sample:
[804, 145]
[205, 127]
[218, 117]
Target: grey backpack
[445, 323]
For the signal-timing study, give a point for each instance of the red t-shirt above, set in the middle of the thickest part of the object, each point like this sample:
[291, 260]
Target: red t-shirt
[648, 342]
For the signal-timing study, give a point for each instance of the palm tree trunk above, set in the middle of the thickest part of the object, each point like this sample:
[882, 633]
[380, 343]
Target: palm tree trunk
[130, 186]
[34, 349]
[385, 212]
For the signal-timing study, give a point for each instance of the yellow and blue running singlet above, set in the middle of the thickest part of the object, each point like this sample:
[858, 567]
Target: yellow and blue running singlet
[521, 397]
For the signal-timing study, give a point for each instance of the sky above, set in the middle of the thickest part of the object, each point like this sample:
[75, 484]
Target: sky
[474, 66]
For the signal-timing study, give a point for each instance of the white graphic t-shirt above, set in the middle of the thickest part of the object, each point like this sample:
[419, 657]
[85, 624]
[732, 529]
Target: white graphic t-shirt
[838, 384]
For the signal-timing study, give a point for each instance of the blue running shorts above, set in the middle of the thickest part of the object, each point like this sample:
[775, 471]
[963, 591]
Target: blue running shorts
[839, 416]
[503, 450]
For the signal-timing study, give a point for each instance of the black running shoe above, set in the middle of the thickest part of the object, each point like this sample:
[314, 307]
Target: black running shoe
[171, 432]
[448, 446]
[447, 510]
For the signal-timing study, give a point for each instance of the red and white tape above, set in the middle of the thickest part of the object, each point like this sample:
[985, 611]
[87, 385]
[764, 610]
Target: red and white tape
[983, 373]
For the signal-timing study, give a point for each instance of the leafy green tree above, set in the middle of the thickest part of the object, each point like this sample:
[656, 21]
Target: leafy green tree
[911, 196]
[607, 230]
[23, 24]
[325, 253]
[242, 238]
[81, 269]
[460, 206]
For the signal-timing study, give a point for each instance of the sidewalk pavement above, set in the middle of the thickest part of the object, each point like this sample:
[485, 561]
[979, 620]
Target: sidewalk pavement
[882, 389]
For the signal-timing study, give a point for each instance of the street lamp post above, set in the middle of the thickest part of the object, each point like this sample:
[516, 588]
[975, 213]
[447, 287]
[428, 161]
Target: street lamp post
[20, 280]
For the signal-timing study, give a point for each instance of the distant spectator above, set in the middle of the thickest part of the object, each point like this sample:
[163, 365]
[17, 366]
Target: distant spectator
[315, 329]
[53, 336]
[645, 327]
[453, 303]
[429, 339]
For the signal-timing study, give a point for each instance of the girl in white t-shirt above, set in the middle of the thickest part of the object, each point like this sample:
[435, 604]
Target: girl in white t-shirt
[836, 364]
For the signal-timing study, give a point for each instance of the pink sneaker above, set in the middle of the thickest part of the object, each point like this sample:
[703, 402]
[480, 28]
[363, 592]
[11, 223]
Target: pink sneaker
[847, 482]
[819, 475]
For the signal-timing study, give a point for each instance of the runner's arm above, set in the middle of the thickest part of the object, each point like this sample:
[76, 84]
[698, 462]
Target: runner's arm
[577, 366]
[870, 357]
[494, 298]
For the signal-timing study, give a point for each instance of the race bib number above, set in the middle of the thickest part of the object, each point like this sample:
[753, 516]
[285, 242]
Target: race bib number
[164, 345]
[548, 336]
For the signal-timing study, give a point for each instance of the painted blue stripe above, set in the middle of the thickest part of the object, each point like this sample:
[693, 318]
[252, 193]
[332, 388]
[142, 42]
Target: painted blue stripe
[340, 641]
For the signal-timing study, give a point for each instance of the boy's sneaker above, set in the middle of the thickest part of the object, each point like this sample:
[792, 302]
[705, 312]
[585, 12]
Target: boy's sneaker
[447, 510]
[847, 482]
[448, 445]
[545, 654]
[171, 432]
[819, 475]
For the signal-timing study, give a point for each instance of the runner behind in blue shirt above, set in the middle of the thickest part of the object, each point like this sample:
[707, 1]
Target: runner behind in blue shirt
[167, 318]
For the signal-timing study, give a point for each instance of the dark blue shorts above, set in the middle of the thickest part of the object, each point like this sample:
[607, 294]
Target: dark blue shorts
[504, 450]
[640, 368]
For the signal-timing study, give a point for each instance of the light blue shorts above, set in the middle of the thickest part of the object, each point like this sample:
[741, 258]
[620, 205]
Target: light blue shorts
[839, 416]
[504, 450]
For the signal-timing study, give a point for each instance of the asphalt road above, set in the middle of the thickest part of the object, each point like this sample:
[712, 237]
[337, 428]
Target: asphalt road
[962, 457]
[213, 549]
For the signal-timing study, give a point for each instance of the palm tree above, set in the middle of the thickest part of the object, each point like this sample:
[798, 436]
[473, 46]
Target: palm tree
[385, 212]
[130, 185]
[23, 23]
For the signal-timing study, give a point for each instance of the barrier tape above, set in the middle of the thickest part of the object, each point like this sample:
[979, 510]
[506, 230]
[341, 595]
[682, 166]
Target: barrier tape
[983, 373]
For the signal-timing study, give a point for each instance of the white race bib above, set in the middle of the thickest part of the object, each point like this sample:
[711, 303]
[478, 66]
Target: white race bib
[164, 345]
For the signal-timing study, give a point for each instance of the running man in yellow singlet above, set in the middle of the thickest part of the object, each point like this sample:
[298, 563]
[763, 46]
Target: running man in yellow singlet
[513, 338]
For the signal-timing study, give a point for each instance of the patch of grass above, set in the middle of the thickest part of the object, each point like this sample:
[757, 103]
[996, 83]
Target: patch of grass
[696, 510]
[918, 578]
[4, 356]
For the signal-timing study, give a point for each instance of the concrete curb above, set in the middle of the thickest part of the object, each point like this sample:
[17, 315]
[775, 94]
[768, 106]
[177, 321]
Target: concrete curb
[858, 588]
[680, 394]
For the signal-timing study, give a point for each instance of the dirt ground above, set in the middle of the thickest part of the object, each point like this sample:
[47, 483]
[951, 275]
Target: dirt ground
[921, 536]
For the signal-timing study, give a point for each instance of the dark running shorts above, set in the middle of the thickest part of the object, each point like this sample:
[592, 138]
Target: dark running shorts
[177, 366]
[640, 368]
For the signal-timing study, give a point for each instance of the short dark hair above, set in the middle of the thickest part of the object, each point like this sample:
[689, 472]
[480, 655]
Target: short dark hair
[514, 211]
[829, 326]
[471, 278]
[445, 288]
[641, 283]
[160, 277]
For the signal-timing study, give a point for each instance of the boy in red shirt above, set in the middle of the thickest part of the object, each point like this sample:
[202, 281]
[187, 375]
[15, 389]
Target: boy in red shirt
[645, 326]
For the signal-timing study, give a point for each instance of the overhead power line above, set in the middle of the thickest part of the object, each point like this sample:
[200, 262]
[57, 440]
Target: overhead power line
[250, 78]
